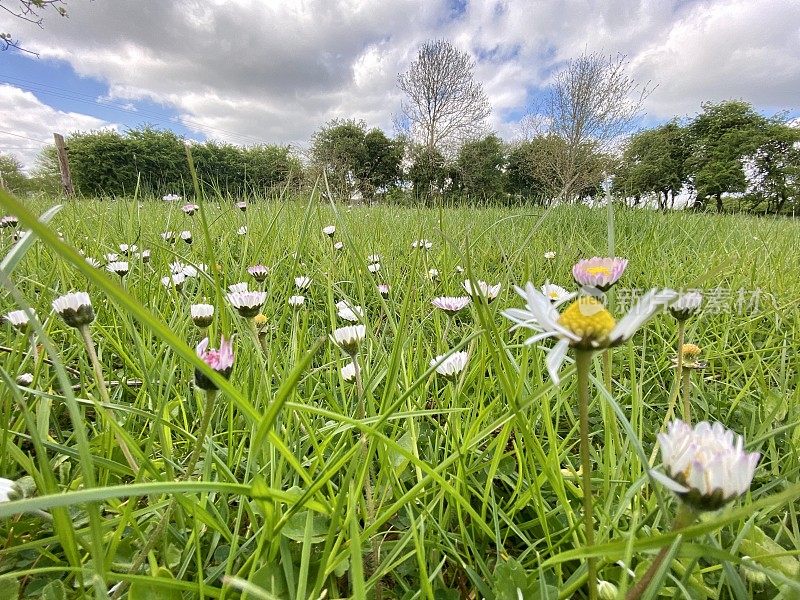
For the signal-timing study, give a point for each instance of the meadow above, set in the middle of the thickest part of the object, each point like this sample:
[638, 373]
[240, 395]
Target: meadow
[294, 480]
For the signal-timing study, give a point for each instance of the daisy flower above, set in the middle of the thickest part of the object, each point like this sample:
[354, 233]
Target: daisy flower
[190, 209]
[329, 230]
[422, 244]
[18, 319]
[247, 304]
[238, 287]
[75, 308]
[705, 465]
[118, 268]
[383, 289]
[556, 293]
[186, 236]
[242, 230]
[242, 206]
[296, 301]
[451, 304]
[597, 272]
[220, 361]
[550, 255]
[168, 236]
[349, 338]
[686, 306]
[585, 324]
[302, 282]
[258, 272]
[450, 366]
[490, 292]
[348, 312]
[374, 268]
[8, 490]
[348, 372]
[202, 314]
[338, 245]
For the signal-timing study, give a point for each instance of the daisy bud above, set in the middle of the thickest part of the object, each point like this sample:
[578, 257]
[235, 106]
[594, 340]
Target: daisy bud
[600, 273]
[186, 236]
[450, 367]
[144, 255]
[19, 320]
[348, 372]
[8, 490]
[190, 209]
[220, 360]
[258, 272]
[75, 308]
[242, 206]
[706, 466]
[329, 230]
[383, 290]
[242, 230]
[247, 304]
[296, 301]
[349, 338]
[686, 306]
[459, 269]
[338, 245]
[433, 274]
[202, 314]
[118, 268]
[451, 304]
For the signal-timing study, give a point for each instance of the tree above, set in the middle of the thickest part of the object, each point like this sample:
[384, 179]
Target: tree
[30, 11]
[480, 168]
[591, 103]
[443, 105]
[528, 173]
[721, 138]
[428, 172]
[776, 164]
[356, 160]
[653, 162]
[12, 177]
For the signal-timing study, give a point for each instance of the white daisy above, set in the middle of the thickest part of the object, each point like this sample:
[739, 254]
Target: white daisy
[75, 308]
[556, 293]
[348, 372]
[302, 282]
[238, 287]
[296, 301]
[247, 304]
[349, 338]
[119, 267]
[18, 319]
[8, 490]
[585, 324]
[202, 314]
[329, 230]
[686, 306]
[450, 366]
[488, 291]
[348, 312]
[451, 304]
[706, 465]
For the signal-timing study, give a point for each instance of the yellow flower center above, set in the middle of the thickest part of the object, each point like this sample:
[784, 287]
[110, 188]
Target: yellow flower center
[690, 350]
[598, 270]
[588, 319]
[553, 295]
[260, 320]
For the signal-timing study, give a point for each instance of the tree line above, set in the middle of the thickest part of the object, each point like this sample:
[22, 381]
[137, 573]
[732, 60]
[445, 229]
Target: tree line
[728, 157]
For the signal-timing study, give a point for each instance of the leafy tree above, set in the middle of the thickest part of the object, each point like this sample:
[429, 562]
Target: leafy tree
[380, 166]
[480, 168]
[654, 162]
[12, 176]
[721, 138]
[428, 173]
[46, 175]
[102, 163]
[528, 173]
[776, 163]
[355, 159]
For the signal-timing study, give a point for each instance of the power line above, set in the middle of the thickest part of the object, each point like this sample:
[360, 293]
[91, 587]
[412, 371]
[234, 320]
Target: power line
[24, 137]
[66, 94]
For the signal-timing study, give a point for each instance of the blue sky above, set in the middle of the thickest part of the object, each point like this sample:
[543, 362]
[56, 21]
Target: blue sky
[274, 71]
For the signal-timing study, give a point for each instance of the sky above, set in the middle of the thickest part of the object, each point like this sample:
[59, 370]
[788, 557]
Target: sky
[274, 71]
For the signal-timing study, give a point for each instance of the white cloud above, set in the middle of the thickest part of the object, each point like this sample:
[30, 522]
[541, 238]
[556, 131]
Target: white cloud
[27, 124]
[275, 70]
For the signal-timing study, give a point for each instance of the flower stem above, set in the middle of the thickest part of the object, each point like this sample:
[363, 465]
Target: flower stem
[583, 359]
[684, 518]
[685, 392]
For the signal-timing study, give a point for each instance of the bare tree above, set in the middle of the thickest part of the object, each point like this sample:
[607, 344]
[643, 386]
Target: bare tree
[30, 11]
[592, 103]
[444, 105]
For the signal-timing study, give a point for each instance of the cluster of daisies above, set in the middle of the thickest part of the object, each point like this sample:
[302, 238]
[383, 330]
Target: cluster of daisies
[705, 464]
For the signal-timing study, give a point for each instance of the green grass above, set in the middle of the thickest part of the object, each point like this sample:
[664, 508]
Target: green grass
[473, 494]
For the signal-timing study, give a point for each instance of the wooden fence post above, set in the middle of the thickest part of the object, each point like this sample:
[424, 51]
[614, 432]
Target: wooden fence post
[63, 164]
